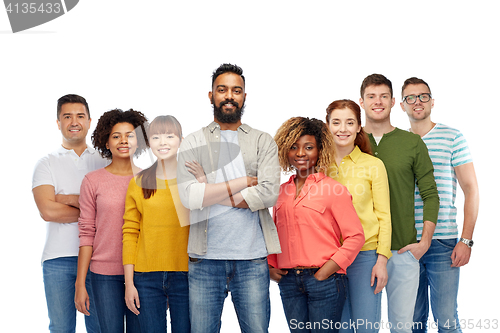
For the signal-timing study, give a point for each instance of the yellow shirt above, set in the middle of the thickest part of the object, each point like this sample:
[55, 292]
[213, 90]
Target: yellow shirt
[155, 230]
[366, 179]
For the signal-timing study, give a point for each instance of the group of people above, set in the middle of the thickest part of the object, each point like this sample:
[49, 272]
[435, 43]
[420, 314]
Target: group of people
[366, 208]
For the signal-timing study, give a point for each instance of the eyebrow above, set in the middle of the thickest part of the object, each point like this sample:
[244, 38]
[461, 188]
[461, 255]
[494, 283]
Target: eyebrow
[69, 114]
[121, 132]
[224, 86]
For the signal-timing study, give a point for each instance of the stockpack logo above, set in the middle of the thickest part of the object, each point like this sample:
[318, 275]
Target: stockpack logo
[26, 14]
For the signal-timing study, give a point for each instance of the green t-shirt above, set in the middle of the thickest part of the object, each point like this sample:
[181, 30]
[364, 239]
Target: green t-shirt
[406, 160]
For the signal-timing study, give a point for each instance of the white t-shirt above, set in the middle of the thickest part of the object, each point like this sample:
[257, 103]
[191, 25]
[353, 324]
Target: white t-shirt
[64, 170]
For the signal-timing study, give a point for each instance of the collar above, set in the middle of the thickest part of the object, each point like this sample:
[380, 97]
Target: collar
[355, 154]
[243, 127]
[315, 177]
[61, 150]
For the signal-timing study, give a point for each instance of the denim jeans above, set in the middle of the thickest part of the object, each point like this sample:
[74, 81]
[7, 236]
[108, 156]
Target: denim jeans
[403, 271]
[362, 308]
[311, 305]
[159, 291]
[437, 274]
[59, 277]
[211, 280]
[109, 295]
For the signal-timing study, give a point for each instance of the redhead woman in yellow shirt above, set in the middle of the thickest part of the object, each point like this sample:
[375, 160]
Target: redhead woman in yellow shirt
[155, 237]
[366, 179]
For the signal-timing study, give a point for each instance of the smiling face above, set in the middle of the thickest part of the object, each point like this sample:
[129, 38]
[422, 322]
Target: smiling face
[228, 98]
[419, 110]
[377, 102]
[344, 127]
[303, 155]
[74, 123]
[122, 141]
[164, 146]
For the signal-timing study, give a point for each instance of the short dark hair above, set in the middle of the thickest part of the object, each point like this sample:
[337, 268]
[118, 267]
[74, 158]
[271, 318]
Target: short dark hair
[413, 80]
[375, 80]
[71, 98]
[109, 119]
[227, 68]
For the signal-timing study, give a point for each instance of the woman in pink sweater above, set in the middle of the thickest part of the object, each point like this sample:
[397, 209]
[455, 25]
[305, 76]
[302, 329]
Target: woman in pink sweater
[119, 136]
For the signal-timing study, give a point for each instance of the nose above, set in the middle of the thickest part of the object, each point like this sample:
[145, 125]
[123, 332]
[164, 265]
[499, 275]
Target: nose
[124, 138]
[163, 141]
[343, 127]
[301, 152]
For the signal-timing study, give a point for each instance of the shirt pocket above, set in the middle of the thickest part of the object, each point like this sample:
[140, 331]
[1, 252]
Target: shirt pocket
[313, 214]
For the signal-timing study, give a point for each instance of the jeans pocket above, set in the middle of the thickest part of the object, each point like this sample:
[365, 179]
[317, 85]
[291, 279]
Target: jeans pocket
[447, 243]
[412, 256]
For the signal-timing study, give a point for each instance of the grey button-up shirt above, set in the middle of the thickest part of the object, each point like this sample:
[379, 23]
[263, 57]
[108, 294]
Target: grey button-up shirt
[260, 155]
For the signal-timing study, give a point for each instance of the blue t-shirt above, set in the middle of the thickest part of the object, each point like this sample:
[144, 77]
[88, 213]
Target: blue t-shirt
[447, 150]
[232, 233]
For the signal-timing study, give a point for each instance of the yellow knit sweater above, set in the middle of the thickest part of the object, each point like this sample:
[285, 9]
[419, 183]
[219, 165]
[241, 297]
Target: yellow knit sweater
[155, 230]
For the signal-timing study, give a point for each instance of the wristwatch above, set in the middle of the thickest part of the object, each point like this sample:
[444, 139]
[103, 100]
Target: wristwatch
[468, 242]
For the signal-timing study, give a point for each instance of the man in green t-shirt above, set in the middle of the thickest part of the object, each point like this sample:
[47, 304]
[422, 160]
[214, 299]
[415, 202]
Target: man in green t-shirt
[407, 161]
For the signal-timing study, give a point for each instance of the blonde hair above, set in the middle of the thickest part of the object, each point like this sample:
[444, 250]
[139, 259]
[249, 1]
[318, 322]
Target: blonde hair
[291, 131]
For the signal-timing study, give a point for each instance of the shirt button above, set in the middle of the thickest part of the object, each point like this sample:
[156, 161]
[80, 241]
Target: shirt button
[376, 153]
[298, 271]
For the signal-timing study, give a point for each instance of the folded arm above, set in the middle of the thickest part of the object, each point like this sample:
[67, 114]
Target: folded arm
[56, 208]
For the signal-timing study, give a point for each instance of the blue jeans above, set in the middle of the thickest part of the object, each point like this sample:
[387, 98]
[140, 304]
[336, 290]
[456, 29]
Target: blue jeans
[109, 295]
[159, 291]
[311, 305]
[403, 272]
[59, 277]
[362, 308]
[437, 274]
[211, 280]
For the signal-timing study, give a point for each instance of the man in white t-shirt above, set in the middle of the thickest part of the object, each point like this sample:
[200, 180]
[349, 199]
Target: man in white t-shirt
[439, 266]
[56, 187]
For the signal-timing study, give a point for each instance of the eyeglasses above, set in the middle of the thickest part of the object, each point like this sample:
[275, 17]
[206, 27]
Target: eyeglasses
[412, 99]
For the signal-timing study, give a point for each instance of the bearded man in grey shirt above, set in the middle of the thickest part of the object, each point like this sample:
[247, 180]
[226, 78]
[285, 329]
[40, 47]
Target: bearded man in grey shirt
[231, 231]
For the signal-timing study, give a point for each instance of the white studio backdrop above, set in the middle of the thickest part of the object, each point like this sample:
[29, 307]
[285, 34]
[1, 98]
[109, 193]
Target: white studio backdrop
[297, 57]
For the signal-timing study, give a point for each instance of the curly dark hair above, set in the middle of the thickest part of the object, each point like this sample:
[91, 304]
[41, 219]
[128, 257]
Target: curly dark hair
[109, 119]
[291, 131]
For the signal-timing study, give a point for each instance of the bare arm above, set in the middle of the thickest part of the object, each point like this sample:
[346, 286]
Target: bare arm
[419, 249]
[50, 209]
[68, 199]
[468, 182]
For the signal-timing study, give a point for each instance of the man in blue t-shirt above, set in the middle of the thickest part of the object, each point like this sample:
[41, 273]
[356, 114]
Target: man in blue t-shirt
[439, 266]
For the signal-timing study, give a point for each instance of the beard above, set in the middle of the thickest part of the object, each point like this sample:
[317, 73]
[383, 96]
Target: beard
[228, 118]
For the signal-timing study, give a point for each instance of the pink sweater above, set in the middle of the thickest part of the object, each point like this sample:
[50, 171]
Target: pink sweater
[102, 204]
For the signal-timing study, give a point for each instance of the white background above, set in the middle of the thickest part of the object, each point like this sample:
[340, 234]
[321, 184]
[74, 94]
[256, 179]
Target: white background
[158, 56]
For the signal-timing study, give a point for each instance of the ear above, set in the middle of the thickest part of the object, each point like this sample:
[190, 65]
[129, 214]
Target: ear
[58, 124]
[402, 107]
[361, 103]
[210, 97]
[393, 102]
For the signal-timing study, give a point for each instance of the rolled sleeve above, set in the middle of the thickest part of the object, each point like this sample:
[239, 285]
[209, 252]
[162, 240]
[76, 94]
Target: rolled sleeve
[191, 192]
[265, 193]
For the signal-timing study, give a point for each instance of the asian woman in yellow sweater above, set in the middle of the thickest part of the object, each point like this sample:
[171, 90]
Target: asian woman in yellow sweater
[366, 179]
[155, 237]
